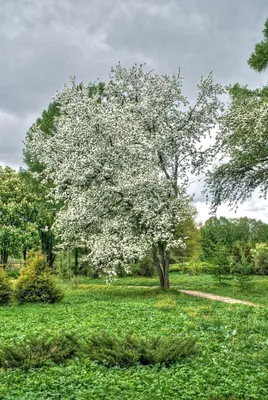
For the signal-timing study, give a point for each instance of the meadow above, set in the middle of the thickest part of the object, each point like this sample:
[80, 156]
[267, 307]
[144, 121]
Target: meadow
[232, 362]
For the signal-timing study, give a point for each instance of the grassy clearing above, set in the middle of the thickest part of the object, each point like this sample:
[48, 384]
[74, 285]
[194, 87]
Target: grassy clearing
[204, 283]
[233, 340]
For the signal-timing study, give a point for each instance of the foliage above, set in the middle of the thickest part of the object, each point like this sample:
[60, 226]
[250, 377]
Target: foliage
[221, 263]
[144, 267]
[103, 348]
[36, 352]
[242, 140]
[241, 267]
[232, 339]
[36, 283]
[241, 255]
[121, 165]
[259, 59]
[216, 232]
[243, 277]
[235, 180]
[47, 207]
[197, 267]
[232, 232]
[5, 288]
[12, 273]
[260, 257]
[112, 351]
[18, 211]
[176, 267]
[167, 304]
[189, 232]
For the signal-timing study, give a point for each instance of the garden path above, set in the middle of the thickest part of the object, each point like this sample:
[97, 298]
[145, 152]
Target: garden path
[204, 295]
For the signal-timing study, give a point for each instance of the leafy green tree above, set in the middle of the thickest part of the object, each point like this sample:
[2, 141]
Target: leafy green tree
[221, 262]
[242, 140]
[259, 58]
[260, 257]
[216, 232]
[234, 233]
[189, 232]
[18, 214]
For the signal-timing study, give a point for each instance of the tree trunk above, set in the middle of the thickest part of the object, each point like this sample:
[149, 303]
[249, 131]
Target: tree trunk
[162, 265]
[47, 244]
[166, 277]
[24, 254]
[158, 267]
[76, 262]
[4, 258]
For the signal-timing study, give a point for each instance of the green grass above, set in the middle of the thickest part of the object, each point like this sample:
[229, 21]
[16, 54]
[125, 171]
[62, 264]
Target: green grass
[233, 341]
[204, 283]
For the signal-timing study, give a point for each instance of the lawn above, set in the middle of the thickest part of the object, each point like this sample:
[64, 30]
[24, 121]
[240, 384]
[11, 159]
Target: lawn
[233, 341]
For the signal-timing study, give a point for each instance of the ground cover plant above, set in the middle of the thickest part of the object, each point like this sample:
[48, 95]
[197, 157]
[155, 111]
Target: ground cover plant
[232, 361]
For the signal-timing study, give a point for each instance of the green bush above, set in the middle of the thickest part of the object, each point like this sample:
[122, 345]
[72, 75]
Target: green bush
[197, 267]
[260, 257]
[103, 348]
[145, 267]
[5, 288]
[36, 352]
[36, 283]
[13, 273]
[176, 267]
[113, 351]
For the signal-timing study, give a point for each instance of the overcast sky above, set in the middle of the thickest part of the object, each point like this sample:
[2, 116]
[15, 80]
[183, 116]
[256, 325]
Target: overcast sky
[43, 42]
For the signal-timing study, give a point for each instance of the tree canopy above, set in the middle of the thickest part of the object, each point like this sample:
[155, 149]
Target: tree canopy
[47, 206]
[121, 165]
[242, 140]
[18, 213]
[259, 58]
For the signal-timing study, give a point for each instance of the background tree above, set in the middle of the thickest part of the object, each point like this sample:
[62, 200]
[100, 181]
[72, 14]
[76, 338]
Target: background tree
[189, 232]
[214, 233]
[242, 140]
[120, 166]
[236, 234]
[259, 58]
[260, 256]
[18, 214]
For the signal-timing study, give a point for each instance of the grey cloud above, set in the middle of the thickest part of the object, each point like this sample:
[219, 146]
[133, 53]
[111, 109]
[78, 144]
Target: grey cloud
[12, 131]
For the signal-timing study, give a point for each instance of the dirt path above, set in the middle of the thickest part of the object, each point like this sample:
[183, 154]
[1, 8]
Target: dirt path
[218, 298]
[203, 295]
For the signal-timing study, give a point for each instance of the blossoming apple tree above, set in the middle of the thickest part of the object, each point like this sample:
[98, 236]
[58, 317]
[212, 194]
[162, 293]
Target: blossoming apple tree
[120, 164]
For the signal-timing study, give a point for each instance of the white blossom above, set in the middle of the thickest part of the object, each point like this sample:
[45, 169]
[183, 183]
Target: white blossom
[121, 165]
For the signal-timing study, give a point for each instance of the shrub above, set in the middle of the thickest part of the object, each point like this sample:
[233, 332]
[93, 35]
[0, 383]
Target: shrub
[38, 351]
[176, 267]
[103, 348]
[13, 273]
[113, 351]
[260, 257]
[145, 267]
[5, 288]
[197, 267]
[36, 283]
